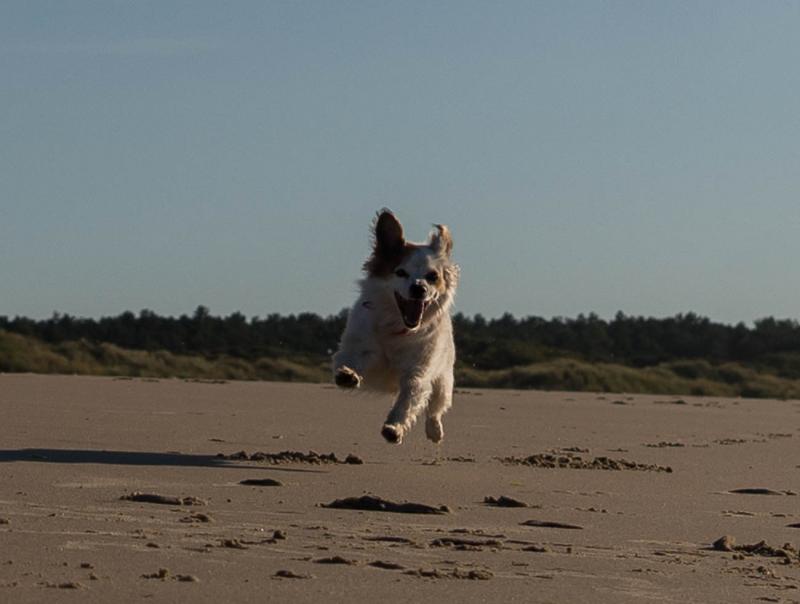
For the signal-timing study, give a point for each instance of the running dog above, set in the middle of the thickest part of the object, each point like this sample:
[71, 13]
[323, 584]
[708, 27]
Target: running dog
[399, 335]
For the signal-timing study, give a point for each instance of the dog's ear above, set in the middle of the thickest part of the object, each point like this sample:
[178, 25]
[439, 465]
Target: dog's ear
[389, 239]
[389, 243]
[441, 241]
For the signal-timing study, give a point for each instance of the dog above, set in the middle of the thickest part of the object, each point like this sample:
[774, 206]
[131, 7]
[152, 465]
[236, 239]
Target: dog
[399, 335]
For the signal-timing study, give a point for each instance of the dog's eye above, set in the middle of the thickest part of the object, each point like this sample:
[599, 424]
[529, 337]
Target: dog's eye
[432, 277]
[401, 273]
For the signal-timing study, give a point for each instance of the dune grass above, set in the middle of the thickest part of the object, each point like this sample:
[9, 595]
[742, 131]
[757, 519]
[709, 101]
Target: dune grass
[23, 354]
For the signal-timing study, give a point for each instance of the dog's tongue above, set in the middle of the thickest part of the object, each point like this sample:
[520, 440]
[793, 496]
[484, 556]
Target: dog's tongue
[411, 310]
[412, 314]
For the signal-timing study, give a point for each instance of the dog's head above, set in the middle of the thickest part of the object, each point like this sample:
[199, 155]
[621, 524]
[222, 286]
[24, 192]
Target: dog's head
[421, 276]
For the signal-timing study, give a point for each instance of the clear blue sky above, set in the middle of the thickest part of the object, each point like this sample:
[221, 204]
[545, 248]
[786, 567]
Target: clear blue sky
[588, 156]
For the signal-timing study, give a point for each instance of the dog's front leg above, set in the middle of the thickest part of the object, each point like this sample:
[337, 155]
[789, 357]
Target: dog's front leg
[351, 361]
[357, 349]
[348, 368]
[411, 400]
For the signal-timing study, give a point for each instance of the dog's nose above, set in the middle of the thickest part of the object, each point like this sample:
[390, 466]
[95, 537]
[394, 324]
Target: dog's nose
[417, 291]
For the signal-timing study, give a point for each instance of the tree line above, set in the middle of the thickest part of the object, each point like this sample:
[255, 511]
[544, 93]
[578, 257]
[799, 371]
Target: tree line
[482, 343]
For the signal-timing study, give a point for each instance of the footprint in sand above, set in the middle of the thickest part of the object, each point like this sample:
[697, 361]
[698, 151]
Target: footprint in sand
[390, 539]
[336, 560]
[455, 573]
[371, 503]
[288, 574]
[465, 544]
[386, 565]
[261, 482]
[504, 502]
[162, 499]
[551, 524]
[759, 491]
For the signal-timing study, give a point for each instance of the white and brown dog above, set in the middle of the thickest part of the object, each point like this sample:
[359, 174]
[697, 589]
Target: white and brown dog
[399, 336]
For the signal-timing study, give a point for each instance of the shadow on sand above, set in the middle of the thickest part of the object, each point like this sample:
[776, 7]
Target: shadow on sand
[133, 458]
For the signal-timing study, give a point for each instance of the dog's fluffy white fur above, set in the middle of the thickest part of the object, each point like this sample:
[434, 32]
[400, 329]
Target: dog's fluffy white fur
[399, 335]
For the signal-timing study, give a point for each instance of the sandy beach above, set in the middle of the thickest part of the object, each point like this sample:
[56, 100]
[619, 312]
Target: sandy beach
[131, 489]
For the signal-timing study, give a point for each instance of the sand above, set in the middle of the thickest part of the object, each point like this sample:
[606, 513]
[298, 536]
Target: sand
[166, 490]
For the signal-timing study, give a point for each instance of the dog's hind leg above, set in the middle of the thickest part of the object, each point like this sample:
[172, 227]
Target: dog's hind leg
[441, 401]
[414, 394]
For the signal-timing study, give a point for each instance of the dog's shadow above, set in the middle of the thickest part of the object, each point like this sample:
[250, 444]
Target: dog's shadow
[132, 458]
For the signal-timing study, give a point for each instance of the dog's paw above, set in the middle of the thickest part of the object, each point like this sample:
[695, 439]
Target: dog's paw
[347, 378]
[434, 430]
[393, 433]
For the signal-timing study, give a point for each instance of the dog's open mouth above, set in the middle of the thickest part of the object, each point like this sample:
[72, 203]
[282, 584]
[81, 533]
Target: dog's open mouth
[411, 310]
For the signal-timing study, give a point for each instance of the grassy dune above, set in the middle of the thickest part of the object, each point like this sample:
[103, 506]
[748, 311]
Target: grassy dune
[25, 354]
[681, 377]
